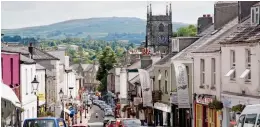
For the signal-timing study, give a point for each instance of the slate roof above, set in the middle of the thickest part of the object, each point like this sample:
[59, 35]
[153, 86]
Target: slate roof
[257, 4]
[42, 55]
[37, 53]
[26, 60]
[185, 54]
[39, 67]
[213, 42]
[244, 33]
[166, 59]
[21, 50]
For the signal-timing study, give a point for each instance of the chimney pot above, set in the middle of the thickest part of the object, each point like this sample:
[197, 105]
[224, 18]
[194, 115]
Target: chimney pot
[204, 15]
[208, 15]
[30, 44]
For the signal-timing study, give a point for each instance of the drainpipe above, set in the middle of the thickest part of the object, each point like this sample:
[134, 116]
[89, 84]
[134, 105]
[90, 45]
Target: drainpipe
[258, 69]
[45, 91]
[220, 87]
[193, 109]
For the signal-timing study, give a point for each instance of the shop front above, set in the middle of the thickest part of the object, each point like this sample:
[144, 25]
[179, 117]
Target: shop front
[205, 116]
[162, 114]
[230, 110]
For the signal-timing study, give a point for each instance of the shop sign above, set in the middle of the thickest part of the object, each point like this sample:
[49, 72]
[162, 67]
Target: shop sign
[137, 100]
[174, 98]
[41, 97]
[182, 85]
[205, 100]
[162, 107]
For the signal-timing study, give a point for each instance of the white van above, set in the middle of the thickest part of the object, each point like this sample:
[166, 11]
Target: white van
[250, 116]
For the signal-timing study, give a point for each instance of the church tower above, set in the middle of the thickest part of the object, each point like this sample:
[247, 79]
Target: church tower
[158, 30]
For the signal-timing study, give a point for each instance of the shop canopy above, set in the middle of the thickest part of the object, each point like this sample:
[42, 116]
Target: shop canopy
[8, 94]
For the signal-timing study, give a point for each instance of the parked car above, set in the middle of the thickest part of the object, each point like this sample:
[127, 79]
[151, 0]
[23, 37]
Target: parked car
[44, 122]
[111, 123]
[108, 118]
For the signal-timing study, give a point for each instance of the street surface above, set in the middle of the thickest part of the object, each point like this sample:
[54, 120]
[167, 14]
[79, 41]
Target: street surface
[84, 120]
[95, 109]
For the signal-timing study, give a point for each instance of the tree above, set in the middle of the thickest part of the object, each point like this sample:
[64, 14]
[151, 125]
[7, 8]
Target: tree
[107, 61]
[190, 30]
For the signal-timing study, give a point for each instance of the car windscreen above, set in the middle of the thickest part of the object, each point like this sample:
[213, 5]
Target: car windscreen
[132, 123]
[39, 123]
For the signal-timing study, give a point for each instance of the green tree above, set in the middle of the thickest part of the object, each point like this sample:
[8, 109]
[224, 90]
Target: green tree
[107, 61]
[190, 30]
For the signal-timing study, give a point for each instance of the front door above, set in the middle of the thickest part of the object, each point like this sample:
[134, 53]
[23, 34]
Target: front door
[199, 115]
[211, 117]
[205, 118]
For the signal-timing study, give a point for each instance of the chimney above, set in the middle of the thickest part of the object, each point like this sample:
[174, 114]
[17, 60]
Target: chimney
[224, 12]
[67, 61]
[30, 49]
[146, 60]
[204, 22]
[244, 9]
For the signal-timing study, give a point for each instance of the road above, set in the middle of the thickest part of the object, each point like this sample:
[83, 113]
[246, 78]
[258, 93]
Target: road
[95, 109]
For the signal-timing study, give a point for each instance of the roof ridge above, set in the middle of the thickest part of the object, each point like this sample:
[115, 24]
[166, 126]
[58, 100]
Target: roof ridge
[46, 53]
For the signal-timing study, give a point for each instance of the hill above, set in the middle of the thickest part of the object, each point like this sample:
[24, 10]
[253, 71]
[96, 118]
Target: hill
[105, 28]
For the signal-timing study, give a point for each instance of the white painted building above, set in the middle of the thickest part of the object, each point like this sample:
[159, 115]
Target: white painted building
[240, 67]
[29, 99]
[40, 75]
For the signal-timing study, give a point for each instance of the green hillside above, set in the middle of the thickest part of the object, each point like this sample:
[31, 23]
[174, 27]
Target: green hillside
[93, 27]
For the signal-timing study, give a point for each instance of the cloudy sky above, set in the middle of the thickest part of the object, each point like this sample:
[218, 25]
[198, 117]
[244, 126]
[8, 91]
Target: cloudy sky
[25, 14]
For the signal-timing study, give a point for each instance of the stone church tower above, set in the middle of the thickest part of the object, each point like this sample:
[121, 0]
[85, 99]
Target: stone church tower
[158, 31]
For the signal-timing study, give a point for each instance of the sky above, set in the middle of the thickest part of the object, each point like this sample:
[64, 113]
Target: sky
[18, 14]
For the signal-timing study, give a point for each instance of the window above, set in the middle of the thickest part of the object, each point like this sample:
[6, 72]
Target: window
[166, 75]
[202, 69]
[159, 84]
[165, 87]
[248, 57]
[250, 120]
[213, 63]
[233, 64]
[255, 15]
[161, 28]
[26, 81]
[232, 58]
[188, 74]
[32, 112]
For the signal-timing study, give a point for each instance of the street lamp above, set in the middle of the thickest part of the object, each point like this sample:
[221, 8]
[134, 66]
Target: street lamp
[35, 85]
[61, 96]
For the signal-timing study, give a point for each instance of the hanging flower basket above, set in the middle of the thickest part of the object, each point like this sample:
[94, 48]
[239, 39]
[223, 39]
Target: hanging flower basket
[215, 104]
[238, 108]
[125, 108]
[22, 109]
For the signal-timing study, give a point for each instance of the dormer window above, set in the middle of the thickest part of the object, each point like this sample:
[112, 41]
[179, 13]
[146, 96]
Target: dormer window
[255, 19]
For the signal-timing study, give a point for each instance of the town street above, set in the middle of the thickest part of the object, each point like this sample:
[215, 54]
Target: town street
[95, 109]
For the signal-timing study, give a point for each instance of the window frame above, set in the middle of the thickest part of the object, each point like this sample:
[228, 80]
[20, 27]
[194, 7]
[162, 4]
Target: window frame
[248, 65]
[202, 71]
[213, 71]
[233, 64]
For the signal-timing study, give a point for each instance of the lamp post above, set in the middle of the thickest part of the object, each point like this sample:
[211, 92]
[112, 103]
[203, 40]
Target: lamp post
[61, 93]
[35, 85]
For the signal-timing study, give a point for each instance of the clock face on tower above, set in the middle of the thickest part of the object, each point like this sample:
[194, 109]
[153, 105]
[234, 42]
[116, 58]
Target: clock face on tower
[162, 39]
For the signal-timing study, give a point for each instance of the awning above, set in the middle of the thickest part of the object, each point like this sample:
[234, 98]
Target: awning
[8, 94]
[230, 72]
[245, 73]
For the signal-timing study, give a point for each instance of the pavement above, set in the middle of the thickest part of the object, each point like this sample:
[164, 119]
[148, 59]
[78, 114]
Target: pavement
[84, 120]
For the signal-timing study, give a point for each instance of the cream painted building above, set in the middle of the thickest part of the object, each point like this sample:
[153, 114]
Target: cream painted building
[240, 66]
